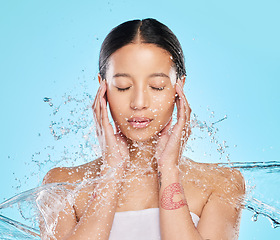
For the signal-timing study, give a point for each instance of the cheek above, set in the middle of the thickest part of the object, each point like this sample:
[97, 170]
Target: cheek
[163, 103]
[163, 109]
[117, 105]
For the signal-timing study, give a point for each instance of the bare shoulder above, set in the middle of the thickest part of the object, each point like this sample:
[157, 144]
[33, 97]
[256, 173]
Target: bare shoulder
[229, 181]
[220, 179]
[72, 174]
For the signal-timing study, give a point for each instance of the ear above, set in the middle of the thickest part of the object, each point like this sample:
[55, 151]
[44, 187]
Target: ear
[99, 78]
[182, 80]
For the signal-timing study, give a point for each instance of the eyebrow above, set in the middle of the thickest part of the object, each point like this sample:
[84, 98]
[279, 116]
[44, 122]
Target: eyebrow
[121, 75]
[159, 75]
[152, 75]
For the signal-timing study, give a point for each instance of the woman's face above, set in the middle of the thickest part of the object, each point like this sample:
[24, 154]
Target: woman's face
[141, 89]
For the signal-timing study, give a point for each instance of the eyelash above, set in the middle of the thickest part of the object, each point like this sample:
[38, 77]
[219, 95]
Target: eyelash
[154, 88]
[123, 89]
[157, 89]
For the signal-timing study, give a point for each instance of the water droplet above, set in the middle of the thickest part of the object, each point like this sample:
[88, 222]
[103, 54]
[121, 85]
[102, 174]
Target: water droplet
[255, 217]
[274, 224]
[46, 99]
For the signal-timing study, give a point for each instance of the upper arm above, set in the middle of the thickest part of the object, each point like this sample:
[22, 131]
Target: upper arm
[220, 217]
[57, 215]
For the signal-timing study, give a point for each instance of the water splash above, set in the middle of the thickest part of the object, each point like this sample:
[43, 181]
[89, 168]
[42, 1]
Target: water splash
[23, 213]
[24, 210]
[72, 129]
[260, 199]
[205, 132]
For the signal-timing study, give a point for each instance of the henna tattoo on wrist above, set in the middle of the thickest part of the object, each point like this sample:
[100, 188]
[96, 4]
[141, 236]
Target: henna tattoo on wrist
[166, 200]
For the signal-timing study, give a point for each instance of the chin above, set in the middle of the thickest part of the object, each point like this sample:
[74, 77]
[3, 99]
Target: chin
[139, 137]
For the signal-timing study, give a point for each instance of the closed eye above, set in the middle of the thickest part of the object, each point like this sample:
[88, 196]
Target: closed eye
[123, 89]
[157, 89]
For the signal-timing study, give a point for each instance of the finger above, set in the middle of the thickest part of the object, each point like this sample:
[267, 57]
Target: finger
[167, 127]
[97, 96]
[179, 131]
[187, 106]
[96, 115]
[177, 101]
[96, 106]
[181, 107]
[106, 125]
[161, 146]
[98, 111]
[187, 111]
[188, 114]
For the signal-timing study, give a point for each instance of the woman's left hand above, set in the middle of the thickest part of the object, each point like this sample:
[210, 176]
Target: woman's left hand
[171, 141]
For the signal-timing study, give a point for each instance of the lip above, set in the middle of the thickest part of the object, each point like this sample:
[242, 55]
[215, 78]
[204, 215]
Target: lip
[139, 122]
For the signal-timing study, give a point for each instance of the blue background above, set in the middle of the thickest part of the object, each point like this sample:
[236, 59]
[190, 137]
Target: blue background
[232, 57]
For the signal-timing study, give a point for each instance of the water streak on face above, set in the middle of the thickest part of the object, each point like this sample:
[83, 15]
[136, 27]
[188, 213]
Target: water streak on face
[141, 89]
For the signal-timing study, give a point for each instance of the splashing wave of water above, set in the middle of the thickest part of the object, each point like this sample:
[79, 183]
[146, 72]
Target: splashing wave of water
[24, 210]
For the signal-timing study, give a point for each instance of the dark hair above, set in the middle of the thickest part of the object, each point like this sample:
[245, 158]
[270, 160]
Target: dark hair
[148, 30]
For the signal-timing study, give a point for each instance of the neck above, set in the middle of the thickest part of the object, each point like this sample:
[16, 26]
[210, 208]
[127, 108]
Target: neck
[142, 161]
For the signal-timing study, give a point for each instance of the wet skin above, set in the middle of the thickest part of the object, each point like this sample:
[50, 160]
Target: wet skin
[141, 88]
[141, 92]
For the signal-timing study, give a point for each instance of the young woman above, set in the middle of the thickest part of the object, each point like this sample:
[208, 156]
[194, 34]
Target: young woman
[142, 187]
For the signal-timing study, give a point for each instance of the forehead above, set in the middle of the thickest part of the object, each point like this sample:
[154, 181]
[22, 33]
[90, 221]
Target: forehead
[139, 57]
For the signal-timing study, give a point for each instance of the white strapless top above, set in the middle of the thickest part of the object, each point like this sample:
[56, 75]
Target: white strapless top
[139, 225]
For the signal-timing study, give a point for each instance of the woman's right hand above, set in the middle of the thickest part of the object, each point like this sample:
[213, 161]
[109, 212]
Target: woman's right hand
[114, 146]
[97, 219]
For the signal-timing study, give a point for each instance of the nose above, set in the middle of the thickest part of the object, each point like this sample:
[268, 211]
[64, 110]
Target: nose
[140, 100]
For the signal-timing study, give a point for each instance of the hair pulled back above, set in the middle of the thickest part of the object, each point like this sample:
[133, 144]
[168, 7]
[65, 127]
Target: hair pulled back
[148, 30]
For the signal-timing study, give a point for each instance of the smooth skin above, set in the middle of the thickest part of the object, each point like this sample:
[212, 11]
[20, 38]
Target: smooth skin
[140, 83]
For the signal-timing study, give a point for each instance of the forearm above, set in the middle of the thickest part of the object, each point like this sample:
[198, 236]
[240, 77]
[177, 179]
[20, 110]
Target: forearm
[175, 218]
[97, 220]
